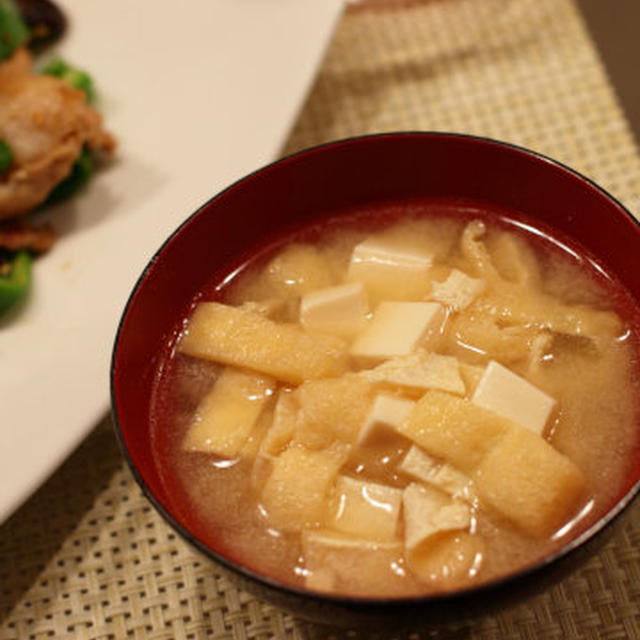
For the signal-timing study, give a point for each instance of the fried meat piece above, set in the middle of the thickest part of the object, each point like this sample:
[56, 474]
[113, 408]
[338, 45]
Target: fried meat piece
[46, 123]
[16, 235]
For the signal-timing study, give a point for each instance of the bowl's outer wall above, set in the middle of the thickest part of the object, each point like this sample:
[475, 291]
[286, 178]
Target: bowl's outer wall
[323, 180]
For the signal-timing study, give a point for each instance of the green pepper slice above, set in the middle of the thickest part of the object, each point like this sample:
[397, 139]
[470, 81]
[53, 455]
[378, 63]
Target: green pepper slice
[15, 278]
[6, 156]
[13, 30]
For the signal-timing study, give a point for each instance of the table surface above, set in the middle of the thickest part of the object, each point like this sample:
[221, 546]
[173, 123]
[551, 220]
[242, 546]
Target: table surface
[87, 557]
[614, 28]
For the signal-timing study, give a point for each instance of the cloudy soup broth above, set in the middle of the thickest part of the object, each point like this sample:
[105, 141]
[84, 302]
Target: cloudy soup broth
[412, 405]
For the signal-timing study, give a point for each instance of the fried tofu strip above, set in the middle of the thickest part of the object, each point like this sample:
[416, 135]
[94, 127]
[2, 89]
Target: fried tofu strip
[239, 337]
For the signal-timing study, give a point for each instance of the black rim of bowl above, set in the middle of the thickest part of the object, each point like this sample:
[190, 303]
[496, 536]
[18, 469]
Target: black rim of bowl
[362, 602]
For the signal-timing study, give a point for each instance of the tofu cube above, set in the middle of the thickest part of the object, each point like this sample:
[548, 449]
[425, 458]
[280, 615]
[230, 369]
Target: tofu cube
[453, 429]
[336, 562]
[387, 414]
[228, 414]
[416, 373]
[247, 339]
[428, 511]
[529, 482]
[340, 310]
[390, 271]
[397, 329]
[366, 509]
[458, 291]
[512, 397]
[296, 493]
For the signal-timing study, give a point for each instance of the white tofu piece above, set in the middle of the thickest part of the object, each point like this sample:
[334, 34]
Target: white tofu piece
[418, 372]
[458, 291]
[341, 310]
[422, 466]
[387, 414]
[366, 509]
[397, 329]
[390, 271]
[228, 414]
[512, 397]
[429, 511]
[337, 561]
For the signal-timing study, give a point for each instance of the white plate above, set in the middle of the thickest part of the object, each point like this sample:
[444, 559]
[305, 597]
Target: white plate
[198, 94]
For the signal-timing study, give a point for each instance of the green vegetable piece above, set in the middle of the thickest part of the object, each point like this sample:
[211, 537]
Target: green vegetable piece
[55, 67]
[80, 173]
[13, 30]
[77, 78]
[6, 156]
[82, 80]
[15, 278]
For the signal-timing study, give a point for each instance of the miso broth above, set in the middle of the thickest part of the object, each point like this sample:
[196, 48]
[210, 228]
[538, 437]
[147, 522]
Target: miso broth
[409, 406]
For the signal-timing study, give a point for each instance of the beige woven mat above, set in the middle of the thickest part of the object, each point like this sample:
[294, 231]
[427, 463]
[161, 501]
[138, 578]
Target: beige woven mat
[87, 557]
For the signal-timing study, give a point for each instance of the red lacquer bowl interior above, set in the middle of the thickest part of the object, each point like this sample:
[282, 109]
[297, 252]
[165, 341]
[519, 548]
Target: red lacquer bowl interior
[315, 184]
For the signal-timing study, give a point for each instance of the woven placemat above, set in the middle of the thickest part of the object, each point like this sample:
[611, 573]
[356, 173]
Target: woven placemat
[88, 558]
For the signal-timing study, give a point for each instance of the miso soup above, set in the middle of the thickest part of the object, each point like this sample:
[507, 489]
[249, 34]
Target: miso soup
[402, 400]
